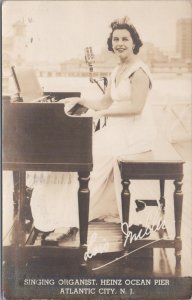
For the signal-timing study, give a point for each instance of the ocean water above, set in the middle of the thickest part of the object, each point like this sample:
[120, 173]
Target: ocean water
[179, 88]
[176, 88]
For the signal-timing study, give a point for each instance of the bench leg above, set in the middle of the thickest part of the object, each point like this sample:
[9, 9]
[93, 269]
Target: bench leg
[178, 201]
[125, 202]
[162, 197]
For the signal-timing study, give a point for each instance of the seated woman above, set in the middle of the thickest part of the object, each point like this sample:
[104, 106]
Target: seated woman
[130, 129]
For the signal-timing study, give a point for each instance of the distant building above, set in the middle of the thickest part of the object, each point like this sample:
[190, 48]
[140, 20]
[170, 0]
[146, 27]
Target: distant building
[7, 45]
[153, 55]
[104, 63]
[19, 43]
[184, 38]
[14, 51]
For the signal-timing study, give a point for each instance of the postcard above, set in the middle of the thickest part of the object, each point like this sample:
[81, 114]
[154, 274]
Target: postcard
[96, 150]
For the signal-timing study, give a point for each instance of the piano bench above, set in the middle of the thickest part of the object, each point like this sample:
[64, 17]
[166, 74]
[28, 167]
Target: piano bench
[162, 163]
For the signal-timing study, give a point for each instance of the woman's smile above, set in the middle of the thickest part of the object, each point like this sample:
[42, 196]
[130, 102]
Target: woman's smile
[120, 49]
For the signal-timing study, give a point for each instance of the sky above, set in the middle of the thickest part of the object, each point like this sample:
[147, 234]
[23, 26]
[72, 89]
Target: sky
[60, 30]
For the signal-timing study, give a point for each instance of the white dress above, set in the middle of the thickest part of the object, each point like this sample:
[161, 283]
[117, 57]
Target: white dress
[54, 201]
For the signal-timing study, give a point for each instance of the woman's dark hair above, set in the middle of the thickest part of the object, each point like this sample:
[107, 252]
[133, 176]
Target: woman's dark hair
[116, 25]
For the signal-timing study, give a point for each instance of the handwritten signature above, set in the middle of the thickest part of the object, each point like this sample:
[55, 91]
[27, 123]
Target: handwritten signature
[154, 223]
[93, 248]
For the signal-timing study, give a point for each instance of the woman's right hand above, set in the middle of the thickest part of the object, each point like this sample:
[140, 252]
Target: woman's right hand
[69, 103]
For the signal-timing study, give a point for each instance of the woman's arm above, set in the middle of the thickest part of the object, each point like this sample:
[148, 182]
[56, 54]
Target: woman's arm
[134, 105]
[100, 104]
[97, 105]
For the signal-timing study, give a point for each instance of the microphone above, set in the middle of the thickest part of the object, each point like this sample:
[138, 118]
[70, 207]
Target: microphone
[90, 60]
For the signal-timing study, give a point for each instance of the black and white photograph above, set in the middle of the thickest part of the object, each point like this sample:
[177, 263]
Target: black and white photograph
[96, 150]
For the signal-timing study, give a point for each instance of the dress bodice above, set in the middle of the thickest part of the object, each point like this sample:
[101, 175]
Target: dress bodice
[122, 90]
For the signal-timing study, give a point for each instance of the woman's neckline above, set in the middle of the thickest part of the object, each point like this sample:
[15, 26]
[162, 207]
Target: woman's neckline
[123, 69]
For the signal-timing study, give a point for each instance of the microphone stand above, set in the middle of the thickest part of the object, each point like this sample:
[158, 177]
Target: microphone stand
[89, 58]
[93, 80]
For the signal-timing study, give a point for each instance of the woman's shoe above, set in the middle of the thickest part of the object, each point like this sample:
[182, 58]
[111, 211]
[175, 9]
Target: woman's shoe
[57, 237]
[44, 235]
[69, 236]
[35, 233]
[41, 233]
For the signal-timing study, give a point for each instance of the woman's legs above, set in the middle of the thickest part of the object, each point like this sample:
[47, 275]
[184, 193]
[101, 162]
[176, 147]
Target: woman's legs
[54, 201]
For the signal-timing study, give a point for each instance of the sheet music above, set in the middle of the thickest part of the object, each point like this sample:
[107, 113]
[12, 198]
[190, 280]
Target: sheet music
[30, 89]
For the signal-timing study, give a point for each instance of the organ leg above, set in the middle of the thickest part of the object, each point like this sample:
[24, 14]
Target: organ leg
[83, 202]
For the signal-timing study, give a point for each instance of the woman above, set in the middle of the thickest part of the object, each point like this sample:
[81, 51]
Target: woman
[129, 129]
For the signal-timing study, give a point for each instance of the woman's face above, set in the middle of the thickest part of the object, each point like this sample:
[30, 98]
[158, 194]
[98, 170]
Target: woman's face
[122, 43]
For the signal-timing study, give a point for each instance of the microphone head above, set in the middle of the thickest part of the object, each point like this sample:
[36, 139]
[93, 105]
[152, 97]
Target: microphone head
[89, 56]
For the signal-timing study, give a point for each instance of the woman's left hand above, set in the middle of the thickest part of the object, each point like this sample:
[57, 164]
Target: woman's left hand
[96, 114]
